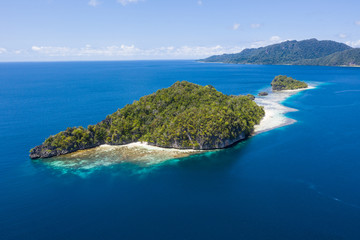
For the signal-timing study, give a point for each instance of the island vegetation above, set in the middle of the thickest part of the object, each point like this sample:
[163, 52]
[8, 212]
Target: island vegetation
[282, 82]
[350, 57]
[252, 97]
[184, 116]
[306, 52]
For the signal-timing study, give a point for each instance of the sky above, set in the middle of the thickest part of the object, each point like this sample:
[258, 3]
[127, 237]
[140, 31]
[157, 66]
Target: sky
[70, 30]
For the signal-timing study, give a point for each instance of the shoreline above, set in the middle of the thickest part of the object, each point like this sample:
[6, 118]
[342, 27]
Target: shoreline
[275, 110]
[144, 154]
[105, 155]
[282, 64]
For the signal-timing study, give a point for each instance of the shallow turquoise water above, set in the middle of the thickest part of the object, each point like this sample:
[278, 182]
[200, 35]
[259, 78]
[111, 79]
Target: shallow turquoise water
[298, 182]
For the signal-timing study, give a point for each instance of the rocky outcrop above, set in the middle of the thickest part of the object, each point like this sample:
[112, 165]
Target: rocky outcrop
[43, 151]
[215, 143]
[263, 94]
[223, 143]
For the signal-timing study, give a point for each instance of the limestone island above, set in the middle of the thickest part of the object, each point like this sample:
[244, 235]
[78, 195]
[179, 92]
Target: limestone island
[261, 94]
[282, 82]
[183, 116]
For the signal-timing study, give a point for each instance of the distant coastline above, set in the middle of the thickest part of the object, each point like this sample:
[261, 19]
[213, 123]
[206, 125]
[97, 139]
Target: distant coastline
[307, 52]
[344, 66]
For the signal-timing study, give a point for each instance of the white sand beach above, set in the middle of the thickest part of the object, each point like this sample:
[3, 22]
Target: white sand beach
[275, 111]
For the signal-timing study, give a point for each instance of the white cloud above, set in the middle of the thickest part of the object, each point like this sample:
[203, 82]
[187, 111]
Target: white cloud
[52, 51]
[357, 23]
[236, 26]
[126, 2]
[342, 35]
[127, 52]
[200, 2]
[354, 44]
[275, 39]
[255, 25]
[2, 50]
[198, 51]
[19, 51]
[132, 52]
[93, 3]
[122, 50]
[36, 48]
[272, 40]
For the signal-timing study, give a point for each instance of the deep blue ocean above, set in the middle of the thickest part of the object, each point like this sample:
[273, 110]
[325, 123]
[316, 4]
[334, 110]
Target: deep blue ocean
[301, 181]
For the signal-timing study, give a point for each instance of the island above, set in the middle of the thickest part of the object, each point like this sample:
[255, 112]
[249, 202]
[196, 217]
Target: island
[261, 94]
[183, 116]
[305, 52]
[282, 82]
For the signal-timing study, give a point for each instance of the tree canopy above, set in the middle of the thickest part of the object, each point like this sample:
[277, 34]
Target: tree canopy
[282, 82]
[306, 52]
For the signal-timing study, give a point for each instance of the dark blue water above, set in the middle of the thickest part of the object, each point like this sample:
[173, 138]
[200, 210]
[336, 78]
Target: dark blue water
[297, 182]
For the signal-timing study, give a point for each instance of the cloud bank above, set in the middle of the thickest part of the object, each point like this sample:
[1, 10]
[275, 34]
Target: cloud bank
[124, 52]
[271, 40]
[128, 51]
[354, 44]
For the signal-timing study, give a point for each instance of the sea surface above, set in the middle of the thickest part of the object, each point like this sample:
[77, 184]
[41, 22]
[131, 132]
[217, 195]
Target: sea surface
[301, 181]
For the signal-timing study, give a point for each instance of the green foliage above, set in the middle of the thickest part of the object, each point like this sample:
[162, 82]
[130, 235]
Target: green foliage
[283, 82]
[349, 57]
[70, 139]
[184, 115]
[250, 96]
[289, 52]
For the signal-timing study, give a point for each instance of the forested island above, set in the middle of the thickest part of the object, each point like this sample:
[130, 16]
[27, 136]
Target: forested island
[183, 116]
[282, 82]
[306, 52]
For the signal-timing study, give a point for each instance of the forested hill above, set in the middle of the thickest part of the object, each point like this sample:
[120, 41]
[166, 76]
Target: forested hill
[350, 57]
[185, 115]
[294, 53]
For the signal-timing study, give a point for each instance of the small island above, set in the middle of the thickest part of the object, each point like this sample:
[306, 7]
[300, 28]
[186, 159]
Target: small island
[183, 116]
[282, 82]
[261, 94]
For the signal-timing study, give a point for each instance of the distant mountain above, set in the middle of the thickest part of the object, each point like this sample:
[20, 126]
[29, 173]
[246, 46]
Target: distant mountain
[350, 57]
[306, 52]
